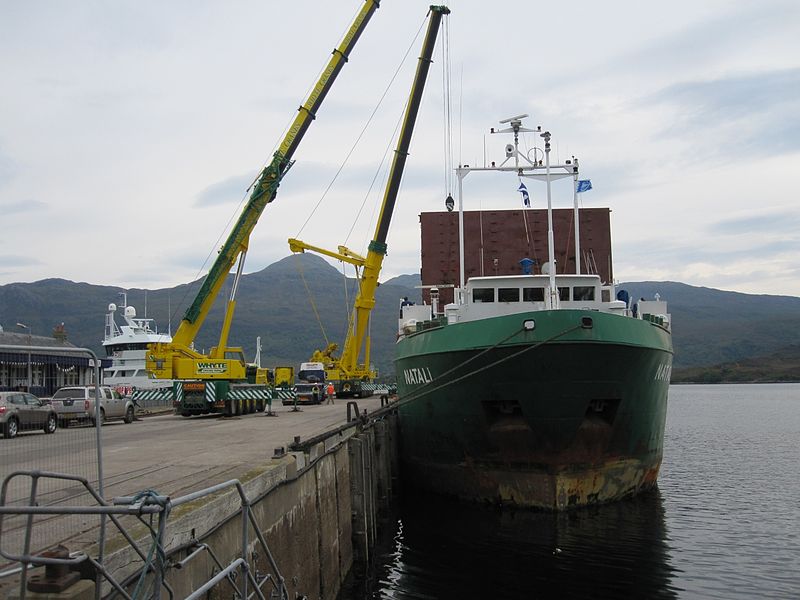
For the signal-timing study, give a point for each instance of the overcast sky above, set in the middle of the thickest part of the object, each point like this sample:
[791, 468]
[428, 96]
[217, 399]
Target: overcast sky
[130, 131]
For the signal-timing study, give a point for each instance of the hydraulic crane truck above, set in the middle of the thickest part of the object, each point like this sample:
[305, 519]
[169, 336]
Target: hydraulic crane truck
[217, 382]
[352, 378]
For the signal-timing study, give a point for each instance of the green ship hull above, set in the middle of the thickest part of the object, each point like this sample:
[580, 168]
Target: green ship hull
[549, 409]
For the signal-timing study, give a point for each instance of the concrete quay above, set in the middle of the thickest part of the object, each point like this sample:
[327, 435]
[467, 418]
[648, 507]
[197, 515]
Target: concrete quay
[314, 484]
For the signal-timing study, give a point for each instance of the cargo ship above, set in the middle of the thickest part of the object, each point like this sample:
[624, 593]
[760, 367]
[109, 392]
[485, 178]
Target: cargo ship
[530, 386]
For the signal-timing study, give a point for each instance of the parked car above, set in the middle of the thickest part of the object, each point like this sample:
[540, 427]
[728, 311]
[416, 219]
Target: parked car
[20, 411]
[76, 403]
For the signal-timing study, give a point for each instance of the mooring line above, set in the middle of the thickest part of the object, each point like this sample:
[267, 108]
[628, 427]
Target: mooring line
[420, 392]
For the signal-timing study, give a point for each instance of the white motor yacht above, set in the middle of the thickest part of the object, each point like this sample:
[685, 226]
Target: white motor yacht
[126, 345]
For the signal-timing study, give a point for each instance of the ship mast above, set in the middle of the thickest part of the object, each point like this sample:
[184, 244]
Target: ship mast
[551, 258]
[528, 169]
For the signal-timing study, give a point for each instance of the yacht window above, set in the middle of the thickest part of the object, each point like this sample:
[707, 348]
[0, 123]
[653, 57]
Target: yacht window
[583, 292]
[533, 294]
[483, 295]
[605, 295]
[563, 294]
[508, 295]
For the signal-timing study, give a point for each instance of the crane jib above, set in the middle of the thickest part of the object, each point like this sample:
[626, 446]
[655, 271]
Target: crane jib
[270, 179]
[263, 194]
[365, 299]
[340, 57]
[401, 153]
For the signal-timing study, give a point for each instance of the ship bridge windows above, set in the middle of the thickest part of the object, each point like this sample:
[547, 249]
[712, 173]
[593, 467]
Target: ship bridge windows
[508, 295]
[115, 349]
[483, 295]
[533, 294]
[578, 293]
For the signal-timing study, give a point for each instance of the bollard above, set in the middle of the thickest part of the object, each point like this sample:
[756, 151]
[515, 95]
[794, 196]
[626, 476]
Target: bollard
[352, 411]
[56, 578]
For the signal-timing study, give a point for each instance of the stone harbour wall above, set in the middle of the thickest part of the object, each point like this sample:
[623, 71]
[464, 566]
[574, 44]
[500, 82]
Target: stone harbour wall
[317, 509]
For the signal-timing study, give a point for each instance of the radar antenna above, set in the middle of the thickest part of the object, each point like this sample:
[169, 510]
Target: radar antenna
[512, 150]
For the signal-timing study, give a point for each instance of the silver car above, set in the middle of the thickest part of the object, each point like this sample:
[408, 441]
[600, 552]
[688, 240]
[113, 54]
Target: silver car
[20, 411]
[76, 403]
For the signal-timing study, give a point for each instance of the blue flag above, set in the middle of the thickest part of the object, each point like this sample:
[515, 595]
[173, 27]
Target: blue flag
[584, 185]
[526, 200]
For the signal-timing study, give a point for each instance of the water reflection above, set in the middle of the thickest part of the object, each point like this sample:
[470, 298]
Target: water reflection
[444, 549]
[730, 488]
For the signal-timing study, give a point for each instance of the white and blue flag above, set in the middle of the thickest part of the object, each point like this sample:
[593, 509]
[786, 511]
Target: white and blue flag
[526, 200]
[584, 185]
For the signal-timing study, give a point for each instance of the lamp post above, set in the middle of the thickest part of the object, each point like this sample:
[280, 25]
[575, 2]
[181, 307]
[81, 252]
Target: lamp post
[30, 373]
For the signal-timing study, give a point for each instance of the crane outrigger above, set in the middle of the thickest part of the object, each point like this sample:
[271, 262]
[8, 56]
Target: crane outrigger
[348, 374]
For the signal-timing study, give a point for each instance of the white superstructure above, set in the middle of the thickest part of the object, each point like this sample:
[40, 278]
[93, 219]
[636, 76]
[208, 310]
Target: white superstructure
[484, 297]
[126, 345]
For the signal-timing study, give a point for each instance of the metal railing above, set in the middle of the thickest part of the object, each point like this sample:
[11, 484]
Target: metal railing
[155, 564]
[98, 421]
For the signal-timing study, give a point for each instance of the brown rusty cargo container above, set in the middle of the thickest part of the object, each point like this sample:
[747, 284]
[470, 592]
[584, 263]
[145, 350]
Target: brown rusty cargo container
[496, 241]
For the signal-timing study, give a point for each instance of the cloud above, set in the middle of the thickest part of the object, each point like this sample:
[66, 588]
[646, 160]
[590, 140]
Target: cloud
[22, 207]
[711, 253]
[734, 97]
[784, 222]
[17, 260]
[663, 86]
[227, 191]
[756, 110]
[707, 42]
[7, 169]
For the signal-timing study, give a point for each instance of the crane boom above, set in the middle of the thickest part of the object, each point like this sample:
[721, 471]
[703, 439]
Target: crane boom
[348, 364]
[177, 359]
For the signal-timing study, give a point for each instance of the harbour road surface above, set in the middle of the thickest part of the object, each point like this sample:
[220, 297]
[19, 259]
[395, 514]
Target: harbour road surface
[169, 454]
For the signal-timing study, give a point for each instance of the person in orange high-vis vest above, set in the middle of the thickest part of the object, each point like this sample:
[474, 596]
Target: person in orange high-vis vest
[330, 391]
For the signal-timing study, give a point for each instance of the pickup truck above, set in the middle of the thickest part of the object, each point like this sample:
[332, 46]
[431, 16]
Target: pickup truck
[309, 393]
[76, 403]
[310, 386]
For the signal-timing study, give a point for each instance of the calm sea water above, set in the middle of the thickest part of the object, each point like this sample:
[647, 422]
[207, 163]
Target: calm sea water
[724, 523]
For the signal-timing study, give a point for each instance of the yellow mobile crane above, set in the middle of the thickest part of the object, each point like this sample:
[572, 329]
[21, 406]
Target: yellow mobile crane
[203, 382]
[348, 375]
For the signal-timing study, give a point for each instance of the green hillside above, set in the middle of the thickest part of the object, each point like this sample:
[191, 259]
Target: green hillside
[781, 366]
[710, 327]
[273, 303]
